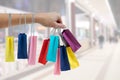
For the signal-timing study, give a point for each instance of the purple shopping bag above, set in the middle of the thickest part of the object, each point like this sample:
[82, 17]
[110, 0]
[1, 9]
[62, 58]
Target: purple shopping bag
[71, 40]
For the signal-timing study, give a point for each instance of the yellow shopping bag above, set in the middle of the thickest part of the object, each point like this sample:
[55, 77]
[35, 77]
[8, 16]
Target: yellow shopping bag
[72, 58]
[9, 56]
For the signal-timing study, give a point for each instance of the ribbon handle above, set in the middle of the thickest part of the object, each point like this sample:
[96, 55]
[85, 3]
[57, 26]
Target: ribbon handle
[32, 25]
[9, 24]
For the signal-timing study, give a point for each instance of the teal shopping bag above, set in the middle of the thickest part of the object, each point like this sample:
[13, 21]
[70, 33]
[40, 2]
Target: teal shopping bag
[52, 49]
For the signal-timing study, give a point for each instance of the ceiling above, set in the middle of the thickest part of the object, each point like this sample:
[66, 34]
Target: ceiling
[115, 7]
[99, 9]
[9, 10]
[36, 5]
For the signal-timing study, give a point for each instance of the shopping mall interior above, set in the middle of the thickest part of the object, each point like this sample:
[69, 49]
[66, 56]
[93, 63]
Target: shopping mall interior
[88, 20]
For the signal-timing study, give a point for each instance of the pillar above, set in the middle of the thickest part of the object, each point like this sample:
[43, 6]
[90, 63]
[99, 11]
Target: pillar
[91, 31]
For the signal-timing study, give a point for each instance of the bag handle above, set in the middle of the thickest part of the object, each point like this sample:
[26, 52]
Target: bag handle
[61, 37]
[20, 21]
[32, 25]
[10, 23]
[53, 31]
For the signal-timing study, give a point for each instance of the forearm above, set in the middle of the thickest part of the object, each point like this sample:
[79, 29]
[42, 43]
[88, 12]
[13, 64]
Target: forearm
[46, 19]
[15, 19]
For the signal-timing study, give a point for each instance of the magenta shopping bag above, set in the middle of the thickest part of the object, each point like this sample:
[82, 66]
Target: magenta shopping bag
[71, 40]
[32, 50]
[57, 64]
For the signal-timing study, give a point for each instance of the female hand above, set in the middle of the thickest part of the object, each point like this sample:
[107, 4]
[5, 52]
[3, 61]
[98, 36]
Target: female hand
[49, 19]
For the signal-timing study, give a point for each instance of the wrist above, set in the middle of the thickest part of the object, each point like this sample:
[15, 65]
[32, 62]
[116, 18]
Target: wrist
[28, 18]
[38, 18]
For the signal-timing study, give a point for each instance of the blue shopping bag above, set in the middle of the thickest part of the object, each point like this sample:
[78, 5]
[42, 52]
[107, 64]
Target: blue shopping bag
[64, 62]
[22, 46]
[52, 49]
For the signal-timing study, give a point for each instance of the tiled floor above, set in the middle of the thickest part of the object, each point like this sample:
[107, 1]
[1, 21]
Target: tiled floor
[95, 64]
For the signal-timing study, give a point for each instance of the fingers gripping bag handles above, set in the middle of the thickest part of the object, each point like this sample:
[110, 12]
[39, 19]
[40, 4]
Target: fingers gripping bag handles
[32, 45]
[71, 40]
[72, 58]
[22, 43]
[53, 46]
[9, 55]
[43, 53]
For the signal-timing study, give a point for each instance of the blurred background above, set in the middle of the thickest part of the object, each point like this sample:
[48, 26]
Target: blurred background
[95, 24]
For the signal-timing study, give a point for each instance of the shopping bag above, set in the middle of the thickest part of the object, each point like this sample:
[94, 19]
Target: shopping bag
[64, 63]
[32, 50]
[9, 56]
[72, 58]
[52, 49]
[71, 40]
[22, 46]
[57, 64]
[43, 53]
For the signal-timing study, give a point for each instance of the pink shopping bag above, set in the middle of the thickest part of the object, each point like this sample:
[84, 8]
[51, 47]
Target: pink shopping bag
[57, 64]
[32, 50]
